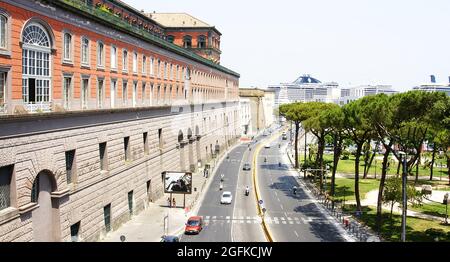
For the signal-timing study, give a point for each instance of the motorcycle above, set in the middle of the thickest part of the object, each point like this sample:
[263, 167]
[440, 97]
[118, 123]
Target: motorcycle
[221, 177]
[247, 191]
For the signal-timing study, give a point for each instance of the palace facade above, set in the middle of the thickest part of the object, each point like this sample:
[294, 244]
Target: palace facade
[96, 102]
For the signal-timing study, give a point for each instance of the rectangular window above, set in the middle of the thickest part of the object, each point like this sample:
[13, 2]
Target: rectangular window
[124, 93]
[144, 65]
[75, 231]
[151, 66]
[67, 91]
[3, 30]
[113, 93]
[149, 190]
[84, 51]
[67, 47]
[125, 60]
[100, 54]
[2, 90]
[107, 216]
[135, 88]
[100, 93]
[113, 57]
[70, 165]
[130, 202]
[143, 93]
[135, 59]
[6, 173]
[158, 69]
[145, 138]
[160, 138]
[165, 70]
[84, 93]
[126, 145]
[103, 156]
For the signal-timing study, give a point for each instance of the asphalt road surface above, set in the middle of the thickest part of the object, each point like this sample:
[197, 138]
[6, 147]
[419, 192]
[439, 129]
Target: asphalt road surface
[290, 218]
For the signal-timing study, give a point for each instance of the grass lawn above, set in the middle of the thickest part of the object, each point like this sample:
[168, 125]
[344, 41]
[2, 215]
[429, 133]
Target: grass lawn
[417, 229]
[434, 209]
[345, 187]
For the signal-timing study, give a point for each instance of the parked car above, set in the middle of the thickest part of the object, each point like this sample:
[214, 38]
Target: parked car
[170, 239]
[267, 146]
[226, 198]
[194, 225]
[246, 167]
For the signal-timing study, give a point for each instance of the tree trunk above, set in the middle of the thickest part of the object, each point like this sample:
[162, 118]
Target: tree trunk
[381, 187]
[370, 163]
[417, 170]
[320, 149]
[432, 162]
[399, 164]
[448, 169]
[357, 196]
[392, 209]
[297, 127]
[337, 150]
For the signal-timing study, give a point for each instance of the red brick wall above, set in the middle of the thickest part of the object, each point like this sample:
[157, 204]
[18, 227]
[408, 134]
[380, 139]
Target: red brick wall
[20, 17]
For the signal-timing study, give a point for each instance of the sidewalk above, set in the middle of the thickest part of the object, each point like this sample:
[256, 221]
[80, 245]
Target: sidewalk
[148, 226]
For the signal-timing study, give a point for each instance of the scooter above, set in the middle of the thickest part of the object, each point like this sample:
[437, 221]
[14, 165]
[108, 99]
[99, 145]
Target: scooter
[247, 192]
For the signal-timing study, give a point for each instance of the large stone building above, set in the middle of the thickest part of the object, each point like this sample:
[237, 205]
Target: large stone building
[260, 102]
[96, 104]
[354, 93]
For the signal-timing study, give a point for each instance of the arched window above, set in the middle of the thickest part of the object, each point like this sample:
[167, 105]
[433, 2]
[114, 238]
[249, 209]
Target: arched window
[3, 31]
[201, 41]
[36, 61]
[170, 38]
[187, 41]
[67, 47]
[85, 51]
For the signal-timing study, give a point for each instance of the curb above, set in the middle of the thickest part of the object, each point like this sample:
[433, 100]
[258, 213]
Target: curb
[266, 230]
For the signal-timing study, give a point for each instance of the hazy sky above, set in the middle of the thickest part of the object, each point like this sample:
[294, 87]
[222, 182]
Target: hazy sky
[351, 42]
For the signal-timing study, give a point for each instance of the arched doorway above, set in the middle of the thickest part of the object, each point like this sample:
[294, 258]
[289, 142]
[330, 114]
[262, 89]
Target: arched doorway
[36, 67]
[197, 144]
[181, 143]
[191, 151]
[46, 226]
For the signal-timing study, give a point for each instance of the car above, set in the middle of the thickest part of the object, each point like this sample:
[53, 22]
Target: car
[170, 239]
[247, 167]
[226, 198]
[284, 137]
[267, 146]
[194, 225]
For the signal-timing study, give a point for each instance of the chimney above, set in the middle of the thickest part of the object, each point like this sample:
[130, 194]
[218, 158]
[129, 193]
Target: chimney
[433, 79]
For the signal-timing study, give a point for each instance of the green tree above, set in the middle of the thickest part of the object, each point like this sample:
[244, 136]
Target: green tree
[392, 192]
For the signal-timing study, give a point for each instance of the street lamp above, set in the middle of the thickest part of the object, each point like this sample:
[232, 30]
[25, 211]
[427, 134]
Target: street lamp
[404, 196]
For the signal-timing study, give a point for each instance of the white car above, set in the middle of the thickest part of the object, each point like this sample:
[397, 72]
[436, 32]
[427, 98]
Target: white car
[267, 146]
[226, 198]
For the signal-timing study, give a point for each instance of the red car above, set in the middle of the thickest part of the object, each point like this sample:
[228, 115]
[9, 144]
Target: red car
[194, 225]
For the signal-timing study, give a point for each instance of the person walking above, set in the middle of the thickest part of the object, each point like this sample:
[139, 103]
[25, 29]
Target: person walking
[174, 204]
[169, 203]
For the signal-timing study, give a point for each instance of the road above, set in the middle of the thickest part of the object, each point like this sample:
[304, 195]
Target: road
[237, 222]
[289, 217]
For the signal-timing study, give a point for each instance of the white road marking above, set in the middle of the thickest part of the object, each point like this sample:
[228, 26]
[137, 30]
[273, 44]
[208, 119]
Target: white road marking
[296, 218]
[228, 217]
[249, 221]
[276, 193]
[282, 218]
[278, 199]
[289, 218]
[277, 222]
[284, 222]
[291, 222]
[207, 217]
[295, 232]
[242, 221]
[281, 206]
[214, 217]
[249, 218]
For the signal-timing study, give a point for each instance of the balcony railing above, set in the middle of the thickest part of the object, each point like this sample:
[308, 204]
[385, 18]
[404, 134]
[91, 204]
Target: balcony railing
[119, 23]
[42, 107]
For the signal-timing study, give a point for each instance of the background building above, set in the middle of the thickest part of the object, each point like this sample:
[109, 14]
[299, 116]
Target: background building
[189, 32]
[96, 104]
[305, 89]
[355, 93]
[432, 86]
[261, 106]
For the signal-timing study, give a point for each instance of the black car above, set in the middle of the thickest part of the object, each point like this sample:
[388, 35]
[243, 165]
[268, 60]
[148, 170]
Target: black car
[247, 167]
[170, 239]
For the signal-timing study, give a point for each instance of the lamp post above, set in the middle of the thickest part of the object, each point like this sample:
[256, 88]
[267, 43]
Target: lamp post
[304, 159]
[446, 207]
[404, 196]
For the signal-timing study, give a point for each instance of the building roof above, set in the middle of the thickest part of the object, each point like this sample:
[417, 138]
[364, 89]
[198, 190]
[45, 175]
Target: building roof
[177, 20]
[306, 79]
